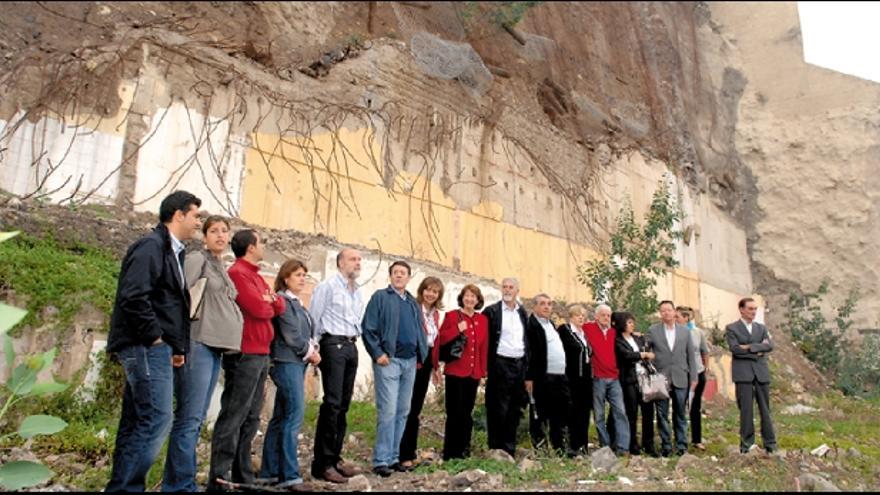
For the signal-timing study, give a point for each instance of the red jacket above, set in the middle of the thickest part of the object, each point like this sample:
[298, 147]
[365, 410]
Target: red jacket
[603, 361]
[472, 363]
[258, 314]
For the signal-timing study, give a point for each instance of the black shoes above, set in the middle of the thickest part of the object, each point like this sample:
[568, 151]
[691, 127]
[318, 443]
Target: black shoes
[383, 471]
[400, 468]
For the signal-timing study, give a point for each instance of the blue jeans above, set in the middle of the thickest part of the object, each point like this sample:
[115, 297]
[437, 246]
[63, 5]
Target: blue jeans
[394, 386]
[605, 388]
[194, 384]
[146, 414]
[279, 447]
[679, 418]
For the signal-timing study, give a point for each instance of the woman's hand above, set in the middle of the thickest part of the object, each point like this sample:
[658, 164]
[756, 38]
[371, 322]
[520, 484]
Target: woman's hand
[462, 326]
[435, 377]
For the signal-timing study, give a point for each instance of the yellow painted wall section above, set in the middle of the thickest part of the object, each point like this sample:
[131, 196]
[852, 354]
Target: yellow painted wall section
[396, 222]
[686, 288]
[718, 306]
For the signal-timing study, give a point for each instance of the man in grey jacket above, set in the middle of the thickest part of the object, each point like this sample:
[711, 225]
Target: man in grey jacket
[749, 341]
[674, 357]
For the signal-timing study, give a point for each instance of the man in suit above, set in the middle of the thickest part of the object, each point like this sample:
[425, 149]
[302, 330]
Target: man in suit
[749, 341]
[507, 362]
[674, 357]
[545, 378]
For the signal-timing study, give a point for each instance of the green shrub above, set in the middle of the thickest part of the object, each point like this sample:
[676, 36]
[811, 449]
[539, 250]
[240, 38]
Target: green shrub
[854, 368]
[47, 274]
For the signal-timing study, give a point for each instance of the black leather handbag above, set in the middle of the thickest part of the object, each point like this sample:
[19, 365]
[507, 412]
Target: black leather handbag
[453, 349]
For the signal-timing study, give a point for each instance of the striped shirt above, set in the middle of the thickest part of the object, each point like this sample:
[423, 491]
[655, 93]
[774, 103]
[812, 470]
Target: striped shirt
[336, 309]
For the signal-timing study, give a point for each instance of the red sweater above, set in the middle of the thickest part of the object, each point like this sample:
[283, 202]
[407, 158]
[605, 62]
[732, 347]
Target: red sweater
[603, 361]
[472, 363]
[258, 314]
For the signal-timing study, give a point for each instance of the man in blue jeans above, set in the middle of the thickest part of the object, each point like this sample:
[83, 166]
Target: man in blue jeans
[149, 334]
[606, 383]
[394, 338]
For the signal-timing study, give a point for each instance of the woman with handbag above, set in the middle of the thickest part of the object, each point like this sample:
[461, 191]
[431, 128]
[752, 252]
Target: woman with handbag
[464, 347]
[430, 299]
[217, 329]
[631, 350]
[293, 348]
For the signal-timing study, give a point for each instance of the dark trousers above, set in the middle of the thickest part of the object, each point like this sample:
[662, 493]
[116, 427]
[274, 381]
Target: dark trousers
[339, 362]
[632, 402]
[410, 440]
[552, 401]
[461, 393]
[505, 399]
[581, 391]
[696, 404]
[240, 406]
[746, 395]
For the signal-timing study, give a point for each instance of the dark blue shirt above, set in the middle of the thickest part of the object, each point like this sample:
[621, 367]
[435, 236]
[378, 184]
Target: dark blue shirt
[408, 327]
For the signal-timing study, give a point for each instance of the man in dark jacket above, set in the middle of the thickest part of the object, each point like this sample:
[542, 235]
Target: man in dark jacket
[394, 339]
[545, 378]
[749, 342]
[508, 360]
[149, 333]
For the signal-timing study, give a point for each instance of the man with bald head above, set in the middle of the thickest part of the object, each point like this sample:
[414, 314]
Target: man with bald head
[606, 385]
[336, 309]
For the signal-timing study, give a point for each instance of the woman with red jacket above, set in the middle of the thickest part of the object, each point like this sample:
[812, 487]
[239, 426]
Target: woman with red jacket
[463, 374]
[430, 299]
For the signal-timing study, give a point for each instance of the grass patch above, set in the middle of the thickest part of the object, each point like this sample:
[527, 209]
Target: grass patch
[47, 274]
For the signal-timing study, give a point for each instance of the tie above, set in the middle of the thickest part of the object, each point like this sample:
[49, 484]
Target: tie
[180, 257]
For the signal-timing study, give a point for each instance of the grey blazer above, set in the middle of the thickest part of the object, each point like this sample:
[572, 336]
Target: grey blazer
[679, 364]
[747, 365]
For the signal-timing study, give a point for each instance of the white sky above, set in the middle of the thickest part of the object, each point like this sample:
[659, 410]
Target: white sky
[842, 36]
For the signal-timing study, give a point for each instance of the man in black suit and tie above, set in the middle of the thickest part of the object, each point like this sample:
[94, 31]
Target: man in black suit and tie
[749, 341]
[674, 357]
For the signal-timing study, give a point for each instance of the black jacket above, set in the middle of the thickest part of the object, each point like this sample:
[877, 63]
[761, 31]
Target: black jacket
[494, 315]
[537, 346]
[150, 300]
[627, 357]
[576, 354]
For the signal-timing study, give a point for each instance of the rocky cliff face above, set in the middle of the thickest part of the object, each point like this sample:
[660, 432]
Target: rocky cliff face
[719, 93]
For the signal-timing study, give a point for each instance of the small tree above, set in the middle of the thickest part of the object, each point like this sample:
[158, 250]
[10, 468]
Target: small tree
[625, 276]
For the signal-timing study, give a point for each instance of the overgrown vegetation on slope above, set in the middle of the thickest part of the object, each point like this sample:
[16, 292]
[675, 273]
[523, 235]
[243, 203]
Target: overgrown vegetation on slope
[46, 274]
[854, 368]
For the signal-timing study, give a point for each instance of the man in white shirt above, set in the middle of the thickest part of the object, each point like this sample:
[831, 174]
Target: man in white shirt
[507, 362]
[546, 379]
[336, 308]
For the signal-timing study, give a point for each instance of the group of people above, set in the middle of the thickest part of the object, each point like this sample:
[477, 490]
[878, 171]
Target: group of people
[173, 341]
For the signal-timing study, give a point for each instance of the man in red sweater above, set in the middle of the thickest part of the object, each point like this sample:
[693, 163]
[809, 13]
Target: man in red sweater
[601, 336]
[244, 372]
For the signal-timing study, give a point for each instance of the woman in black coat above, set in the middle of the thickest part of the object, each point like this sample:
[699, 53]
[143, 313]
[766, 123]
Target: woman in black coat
[580, 378]
[629, 350]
